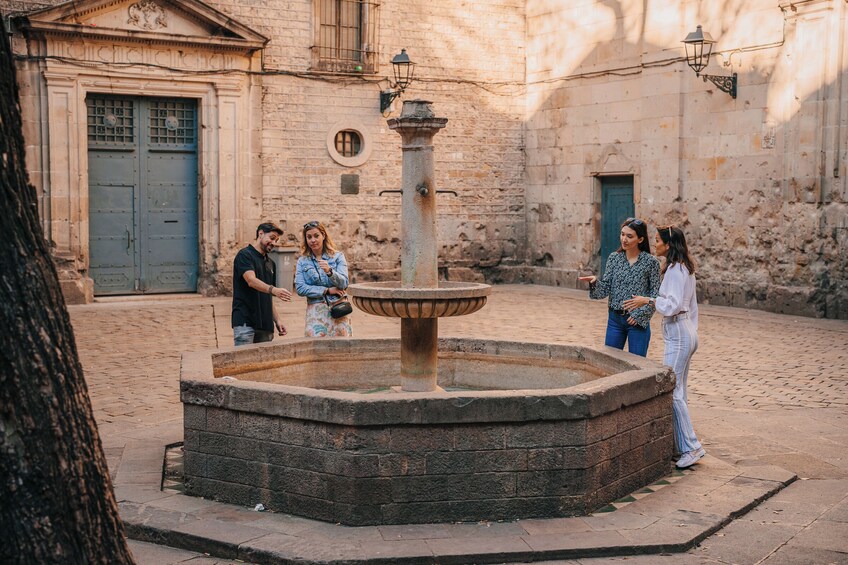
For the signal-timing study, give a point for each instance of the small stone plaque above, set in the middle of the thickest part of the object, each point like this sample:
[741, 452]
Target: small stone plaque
[350, 184]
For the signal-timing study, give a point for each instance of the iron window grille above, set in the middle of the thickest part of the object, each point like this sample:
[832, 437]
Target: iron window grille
[173, 123]
[348, 143]
[110, 121]
[346, 35]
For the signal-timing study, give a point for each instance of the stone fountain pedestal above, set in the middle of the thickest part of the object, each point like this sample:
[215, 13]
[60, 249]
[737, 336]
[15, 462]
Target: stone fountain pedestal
[419, 300]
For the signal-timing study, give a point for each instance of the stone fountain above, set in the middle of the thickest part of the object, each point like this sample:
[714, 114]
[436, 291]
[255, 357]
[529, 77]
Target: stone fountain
[420, 299]
[479, 429]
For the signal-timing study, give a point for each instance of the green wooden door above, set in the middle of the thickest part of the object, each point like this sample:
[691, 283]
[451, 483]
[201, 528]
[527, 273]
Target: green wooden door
[616, 206]
[142, 170]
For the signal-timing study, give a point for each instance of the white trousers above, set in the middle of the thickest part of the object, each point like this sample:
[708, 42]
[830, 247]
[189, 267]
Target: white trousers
[681, 342]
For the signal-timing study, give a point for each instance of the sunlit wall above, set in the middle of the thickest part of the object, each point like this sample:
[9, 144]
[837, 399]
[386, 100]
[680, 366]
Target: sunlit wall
[756, 181]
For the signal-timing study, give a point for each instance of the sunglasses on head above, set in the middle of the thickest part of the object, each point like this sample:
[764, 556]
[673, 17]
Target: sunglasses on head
[633, 221]
[312, 224]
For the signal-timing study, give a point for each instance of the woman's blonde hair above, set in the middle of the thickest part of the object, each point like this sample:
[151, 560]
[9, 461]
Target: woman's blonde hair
[329, 246]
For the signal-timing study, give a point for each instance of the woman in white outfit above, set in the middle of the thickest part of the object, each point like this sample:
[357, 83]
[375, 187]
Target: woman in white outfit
[678, 305]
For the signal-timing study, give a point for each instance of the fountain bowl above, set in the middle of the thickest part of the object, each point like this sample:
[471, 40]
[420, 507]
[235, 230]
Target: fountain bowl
[316, 428]
[390, 299]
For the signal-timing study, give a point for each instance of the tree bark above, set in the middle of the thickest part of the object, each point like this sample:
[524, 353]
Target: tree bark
[56, 499]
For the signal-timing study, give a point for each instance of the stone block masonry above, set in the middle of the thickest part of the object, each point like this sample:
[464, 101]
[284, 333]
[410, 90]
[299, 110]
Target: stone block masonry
[567, 94]
[479, 155]
[757, 182]
[395, 475]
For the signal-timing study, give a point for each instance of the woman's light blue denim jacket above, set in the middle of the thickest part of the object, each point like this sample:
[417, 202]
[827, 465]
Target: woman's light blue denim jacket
[310, 281]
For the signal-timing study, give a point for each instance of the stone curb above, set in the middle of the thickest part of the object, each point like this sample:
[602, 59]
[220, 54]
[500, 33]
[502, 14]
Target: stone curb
[731, 491]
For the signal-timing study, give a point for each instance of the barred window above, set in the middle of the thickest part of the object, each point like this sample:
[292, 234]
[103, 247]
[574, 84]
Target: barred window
[172, 122]
[110, 120]
[346, 35]
[348, 143]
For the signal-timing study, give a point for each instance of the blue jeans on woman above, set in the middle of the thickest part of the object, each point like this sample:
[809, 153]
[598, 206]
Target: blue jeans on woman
[619, 331]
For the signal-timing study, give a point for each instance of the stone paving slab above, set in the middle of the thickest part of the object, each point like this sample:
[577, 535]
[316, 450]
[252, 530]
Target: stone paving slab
[151, 554]
[764, 389]
[673, 519]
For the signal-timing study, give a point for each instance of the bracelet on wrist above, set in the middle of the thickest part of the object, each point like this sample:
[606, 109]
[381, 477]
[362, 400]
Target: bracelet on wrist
[270, 289]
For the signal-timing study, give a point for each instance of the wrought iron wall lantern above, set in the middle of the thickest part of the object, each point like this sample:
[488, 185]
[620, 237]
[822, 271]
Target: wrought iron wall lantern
[404, 69]
[699, 47]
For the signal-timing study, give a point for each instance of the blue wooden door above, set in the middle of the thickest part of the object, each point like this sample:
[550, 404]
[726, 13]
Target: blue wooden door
[142, 169]
[616, 206]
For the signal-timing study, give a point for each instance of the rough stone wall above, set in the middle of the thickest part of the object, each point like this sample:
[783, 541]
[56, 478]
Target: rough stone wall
[756, 182]
[473, 77]
[8, 7]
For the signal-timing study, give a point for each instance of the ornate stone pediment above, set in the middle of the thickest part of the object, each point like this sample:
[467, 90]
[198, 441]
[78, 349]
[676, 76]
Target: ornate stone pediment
[612, 161]
[163, 21]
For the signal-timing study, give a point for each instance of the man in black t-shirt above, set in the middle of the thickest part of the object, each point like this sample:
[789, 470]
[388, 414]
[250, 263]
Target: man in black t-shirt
[254, 315]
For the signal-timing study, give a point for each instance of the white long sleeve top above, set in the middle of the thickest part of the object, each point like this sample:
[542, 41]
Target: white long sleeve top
[677, 293]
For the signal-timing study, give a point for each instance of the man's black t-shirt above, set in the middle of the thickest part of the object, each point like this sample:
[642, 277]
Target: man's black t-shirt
[250, 306]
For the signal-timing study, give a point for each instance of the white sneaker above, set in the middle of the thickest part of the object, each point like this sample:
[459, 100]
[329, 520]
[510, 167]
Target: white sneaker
[690, 458]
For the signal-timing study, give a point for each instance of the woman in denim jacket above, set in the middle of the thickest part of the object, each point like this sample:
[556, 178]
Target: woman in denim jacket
[321, 276]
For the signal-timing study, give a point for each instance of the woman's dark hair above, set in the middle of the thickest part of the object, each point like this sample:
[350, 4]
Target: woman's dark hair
[641, 229]
[678, 251]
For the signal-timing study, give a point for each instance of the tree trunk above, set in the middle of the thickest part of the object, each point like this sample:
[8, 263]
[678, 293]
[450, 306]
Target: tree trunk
[56, 499]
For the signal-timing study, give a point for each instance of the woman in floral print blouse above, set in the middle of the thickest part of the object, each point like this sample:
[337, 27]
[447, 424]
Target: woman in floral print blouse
[630, 271]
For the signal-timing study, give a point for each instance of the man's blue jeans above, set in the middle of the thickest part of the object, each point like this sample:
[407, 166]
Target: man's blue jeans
[619, 331]
[244, 335]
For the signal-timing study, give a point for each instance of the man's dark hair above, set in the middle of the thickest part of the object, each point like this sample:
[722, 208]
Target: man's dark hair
[269, 227]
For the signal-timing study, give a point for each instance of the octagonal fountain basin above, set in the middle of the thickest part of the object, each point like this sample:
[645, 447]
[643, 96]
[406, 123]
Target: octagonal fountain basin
[318, 428]
[393, 300]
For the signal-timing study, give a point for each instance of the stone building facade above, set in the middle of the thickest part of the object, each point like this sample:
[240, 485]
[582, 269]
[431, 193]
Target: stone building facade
[562, 117]
[756, 181]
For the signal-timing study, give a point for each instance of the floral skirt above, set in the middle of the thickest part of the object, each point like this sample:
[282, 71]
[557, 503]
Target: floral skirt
[319, 323]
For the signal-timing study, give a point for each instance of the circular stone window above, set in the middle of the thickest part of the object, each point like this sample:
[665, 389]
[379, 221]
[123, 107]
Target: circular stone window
[348, 144]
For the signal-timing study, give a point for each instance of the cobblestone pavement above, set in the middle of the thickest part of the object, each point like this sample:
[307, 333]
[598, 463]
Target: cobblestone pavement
[764, 388]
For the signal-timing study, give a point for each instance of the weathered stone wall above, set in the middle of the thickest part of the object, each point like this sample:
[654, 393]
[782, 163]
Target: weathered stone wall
[543, 99]
[473, 77]
[757, 182]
